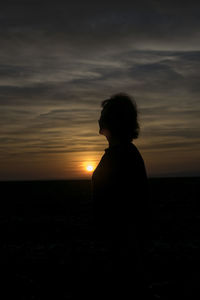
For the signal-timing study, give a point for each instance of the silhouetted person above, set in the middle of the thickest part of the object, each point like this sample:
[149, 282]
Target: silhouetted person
[120, 198]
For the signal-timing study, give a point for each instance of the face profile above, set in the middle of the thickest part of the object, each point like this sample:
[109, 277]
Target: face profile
[103, 130]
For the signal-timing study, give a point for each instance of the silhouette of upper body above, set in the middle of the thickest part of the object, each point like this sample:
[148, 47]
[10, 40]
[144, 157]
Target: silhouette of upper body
[120, 187]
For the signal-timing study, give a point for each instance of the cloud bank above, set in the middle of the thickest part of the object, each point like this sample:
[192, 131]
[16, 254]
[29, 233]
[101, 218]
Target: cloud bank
[59, 61]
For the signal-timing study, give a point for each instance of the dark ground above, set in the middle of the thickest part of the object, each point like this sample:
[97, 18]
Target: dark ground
[46, 243]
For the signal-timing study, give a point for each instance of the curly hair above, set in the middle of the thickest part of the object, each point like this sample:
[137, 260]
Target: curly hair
[120, 116]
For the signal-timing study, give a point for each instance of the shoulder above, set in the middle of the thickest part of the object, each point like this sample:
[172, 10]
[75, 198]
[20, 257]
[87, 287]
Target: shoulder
[133, 162]
[132, 147]
[131, 153]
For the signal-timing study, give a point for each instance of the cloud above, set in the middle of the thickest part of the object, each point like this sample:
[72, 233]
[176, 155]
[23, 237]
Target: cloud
[140, 25]
[58, 61]
[163, 88]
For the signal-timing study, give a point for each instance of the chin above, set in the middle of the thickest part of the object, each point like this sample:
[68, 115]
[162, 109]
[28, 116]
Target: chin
[104, 132]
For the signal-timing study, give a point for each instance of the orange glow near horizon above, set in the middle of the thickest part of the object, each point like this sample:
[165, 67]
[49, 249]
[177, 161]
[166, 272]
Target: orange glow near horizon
[89, 165]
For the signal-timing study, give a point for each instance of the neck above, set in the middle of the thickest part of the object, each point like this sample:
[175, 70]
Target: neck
[114, 142]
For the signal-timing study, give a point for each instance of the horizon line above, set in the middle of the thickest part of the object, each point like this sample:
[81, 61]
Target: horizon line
[89, 179]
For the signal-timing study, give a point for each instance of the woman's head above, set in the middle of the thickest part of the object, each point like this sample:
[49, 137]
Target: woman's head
[119, 117]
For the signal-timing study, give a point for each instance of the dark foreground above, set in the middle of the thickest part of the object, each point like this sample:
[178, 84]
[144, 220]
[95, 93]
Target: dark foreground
[46, 239]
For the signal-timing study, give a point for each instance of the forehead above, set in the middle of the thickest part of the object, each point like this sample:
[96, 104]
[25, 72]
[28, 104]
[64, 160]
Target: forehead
[104, 110]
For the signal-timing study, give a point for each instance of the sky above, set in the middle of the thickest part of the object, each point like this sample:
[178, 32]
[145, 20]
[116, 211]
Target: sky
[60, 59]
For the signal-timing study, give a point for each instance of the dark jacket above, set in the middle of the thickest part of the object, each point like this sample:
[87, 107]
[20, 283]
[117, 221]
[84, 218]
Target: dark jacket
[120, 195]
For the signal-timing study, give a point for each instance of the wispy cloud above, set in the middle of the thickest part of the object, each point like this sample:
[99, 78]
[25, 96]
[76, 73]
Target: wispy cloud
[55, 72]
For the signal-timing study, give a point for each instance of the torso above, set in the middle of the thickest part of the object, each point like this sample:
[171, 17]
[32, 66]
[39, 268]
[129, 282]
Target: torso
[119, 182]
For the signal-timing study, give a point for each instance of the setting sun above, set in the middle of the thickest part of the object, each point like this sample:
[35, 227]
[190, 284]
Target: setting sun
[89, 168]
[89, 163]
